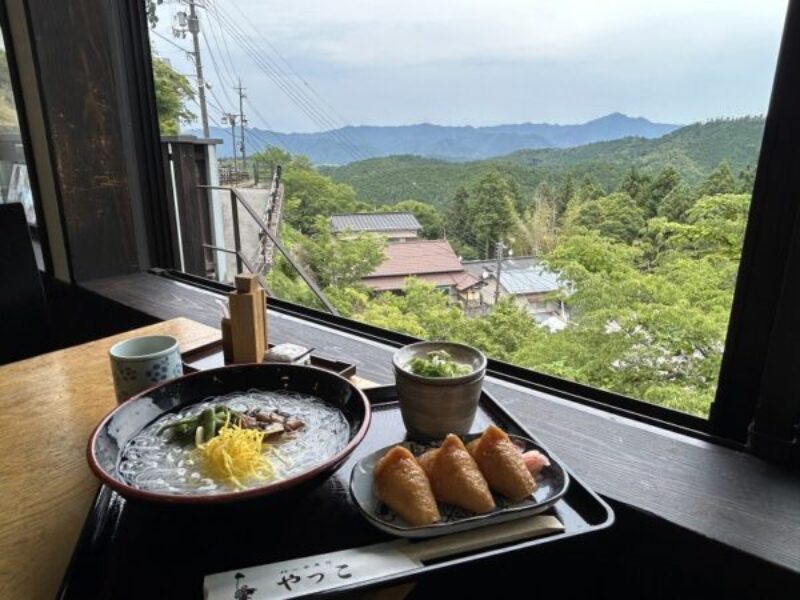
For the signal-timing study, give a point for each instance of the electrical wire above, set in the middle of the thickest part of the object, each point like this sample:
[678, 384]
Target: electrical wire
[215, 68]
[210, 11]
[289, 88]
[172, 43]
[263, 37]
[280, 78]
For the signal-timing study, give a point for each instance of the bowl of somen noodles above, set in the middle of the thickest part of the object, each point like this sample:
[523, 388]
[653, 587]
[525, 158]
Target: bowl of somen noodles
[229, 434]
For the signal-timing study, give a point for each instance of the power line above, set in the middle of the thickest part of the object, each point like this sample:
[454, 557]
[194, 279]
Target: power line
[269, 131]
[216, 69]
[169, 41]
[211, 11]
[295, 94]
[284, 83]
[264, 38]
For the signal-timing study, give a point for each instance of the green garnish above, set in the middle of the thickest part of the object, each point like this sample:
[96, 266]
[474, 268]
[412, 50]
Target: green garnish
[437, 364]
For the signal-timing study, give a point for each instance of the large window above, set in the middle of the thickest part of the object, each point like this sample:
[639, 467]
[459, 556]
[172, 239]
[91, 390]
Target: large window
[14, 182]
[564, 185]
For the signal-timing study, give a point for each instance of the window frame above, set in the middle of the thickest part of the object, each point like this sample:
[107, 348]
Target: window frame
[764, 268]
[40, 230]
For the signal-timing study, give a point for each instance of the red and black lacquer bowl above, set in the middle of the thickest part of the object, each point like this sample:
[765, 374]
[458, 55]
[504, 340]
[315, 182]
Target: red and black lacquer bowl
[129, 418]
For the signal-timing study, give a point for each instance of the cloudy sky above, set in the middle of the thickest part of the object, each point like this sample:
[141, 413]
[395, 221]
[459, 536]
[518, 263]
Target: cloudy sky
[308, 64]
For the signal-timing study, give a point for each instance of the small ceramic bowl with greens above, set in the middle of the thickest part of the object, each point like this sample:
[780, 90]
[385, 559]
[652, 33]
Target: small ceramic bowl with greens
[438, 387]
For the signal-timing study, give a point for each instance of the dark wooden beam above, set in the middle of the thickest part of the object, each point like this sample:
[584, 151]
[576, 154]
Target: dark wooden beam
[75, 54]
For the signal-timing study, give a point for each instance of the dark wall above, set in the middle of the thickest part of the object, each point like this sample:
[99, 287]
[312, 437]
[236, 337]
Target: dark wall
[74, 63]
[76, 315]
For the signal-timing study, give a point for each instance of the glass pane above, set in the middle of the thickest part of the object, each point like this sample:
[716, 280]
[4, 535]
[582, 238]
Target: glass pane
[14, 183]
[564, 185]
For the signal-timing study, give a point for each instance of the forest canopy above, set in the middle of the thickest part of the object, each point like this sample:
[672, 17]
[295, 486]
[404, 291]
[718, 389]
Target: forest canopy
[651, 265]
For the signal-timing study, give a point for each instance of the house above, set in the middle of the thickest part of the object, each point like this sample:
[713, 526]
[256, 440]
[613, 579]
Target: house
[433, 261]
[395, 226]
[531, 284]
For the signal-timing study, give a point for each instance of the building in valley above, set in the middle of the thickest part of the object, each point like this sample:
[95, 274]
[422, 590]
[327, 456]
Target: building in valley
[394, 226]
[432, 261]
[532, 286]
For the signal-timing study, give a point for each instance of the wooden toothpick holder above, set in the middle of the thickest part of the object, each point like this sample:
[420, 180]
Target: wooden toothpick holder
[248, 321]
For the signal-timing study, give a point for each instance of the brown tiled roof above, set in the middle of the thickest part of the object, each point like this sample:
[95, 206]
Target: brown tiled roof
[418, 258]
[398, 282]
[465, 280]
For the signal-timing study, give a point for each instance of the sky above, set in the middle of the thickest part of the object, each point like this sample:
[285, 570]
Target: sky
[309, 65]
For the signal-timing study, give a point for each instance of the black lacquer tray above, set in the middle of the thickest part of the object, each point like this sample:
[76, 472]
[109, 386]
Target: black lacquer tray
[134, 550]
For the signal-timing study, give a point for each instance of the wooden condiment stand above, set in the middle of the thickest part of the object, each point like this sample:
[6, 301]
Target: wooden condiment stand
[244, 333]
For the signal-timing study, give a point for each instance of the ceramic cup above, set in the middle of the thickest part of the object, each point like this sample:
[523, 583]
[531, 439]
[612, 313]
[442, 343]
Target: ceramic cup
[142, 362]
[432, 407]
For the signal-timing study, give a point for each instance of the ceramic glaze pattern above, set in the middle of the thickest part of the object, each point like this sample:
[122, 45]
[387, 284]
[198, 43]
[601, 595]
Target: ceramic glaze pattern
[131, 376]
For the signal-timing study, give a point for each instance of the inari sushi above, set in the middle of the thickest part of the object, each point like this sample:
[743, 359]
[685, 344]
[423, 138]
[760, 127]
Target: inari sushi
[402, 484]
[455, 478]
[502, 464]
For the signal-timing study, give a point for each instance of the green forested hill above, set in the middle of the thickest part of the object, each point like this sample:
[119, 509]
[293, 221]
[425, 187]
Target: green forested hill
[8, 114]
[693, 151]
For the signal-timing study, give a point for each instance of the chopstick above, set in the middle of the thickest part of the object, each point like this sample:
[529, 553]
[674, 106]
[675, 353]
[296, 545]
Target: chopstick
[485, 537]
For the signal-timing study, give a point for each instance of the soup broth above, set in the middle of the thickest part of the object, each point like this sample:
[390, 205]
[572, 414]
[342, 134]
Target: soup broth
[154, 462]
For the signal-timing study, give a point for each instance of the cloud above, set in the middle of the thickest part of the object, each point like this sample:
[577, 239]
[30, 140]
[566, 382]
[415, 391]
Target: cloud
[476, 62]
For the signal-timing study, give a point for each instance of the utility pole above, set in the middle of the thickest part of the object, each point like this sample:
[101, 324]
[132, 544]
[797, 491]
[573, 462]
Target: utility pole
[498, 250]
[191, 23]
[242, 123]
[230, 118]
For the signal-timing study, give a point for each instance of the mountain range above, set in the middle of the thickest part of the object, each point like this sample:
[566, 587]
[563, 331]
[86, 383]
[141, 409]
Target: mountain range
[451, 143]
[694, 151]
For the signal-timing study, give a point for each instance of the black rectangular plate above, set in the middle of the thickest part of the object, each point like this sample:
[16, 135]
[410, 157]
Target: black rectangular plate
[210, 356]
[133, 550]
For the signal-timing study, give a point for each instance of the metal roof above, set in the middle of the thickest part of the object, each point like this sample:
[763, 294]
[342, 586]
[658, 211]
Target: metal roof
[533, 280]
[479, 267]
[390, 221]
[519, 275]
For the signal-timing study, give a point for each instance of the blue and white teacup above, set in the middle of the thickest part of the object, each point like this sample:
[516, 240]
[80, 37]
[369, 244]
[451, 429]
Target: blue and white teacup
[140, 363]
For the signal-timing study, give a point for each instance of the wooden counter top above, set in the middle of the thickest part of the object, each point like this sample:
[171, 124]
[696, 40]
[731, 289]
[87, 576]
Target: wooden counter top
[48, 407]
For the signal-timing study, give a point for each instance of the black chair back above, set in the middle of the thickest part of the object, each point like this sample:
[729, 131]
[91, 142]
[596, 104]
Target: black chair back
[23, 304]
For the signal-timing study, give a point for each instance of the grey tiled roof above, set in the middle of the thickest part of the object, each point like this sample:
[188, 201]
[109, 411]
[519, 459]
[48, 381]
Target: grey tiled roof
[396, 221]
[478, 267]
[533, 280]
[520, 275]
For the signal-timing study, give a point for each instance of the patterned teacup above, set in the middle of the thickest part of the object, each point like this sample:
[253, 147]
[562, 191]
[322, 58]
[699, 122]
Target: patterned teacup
[142, 362]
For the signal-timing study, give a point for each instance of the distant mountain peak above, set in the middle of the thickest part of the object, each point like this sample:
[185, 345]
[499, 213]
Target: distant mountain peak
[453, 143]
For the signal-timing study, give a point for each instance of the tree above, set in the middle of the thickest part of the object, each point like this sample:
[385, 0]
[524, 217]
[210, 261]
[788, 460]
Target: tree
[536, 231]
[150, 10]
[458, 214]
[746, 180]
[636, 185]
[271, 157]
[660, 187]
[720, 181]
[491, 212]
[310, 195]
[8, 112]
[675, 204]
[173, 92]
[427, 215]
[714, 228]
[340, 262]
[616, 216]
